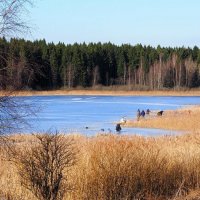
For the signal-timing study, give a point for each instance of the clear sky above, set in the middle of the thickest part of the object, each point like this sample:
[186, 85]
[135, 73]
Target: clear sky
[149, 22]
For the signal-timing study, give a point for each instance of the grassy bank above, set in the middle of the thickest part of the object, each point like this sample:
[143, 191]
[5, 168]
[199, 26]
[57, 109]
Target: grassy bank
[186, 119]
[110, 92]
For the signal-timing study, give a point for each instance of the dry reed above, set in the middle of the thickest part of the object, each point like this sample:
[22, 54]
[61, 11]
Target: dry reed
[114, 167]
[184, 119]
[110, 92]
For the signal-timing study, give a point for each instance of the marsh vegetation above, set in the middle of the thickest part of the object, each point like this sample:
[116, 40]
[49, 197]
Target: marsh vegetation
[114, 166]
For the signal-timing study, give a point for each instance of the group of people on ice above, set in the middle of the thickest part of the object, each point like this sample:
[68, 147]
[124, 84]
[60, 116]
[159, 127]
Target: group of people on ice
[142, 113]
[139, 115]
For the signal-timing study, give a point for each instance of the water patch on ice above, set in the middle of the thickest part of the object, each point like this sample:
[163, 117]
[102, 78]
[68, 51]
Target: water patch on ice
[91, 98]
[76, 99]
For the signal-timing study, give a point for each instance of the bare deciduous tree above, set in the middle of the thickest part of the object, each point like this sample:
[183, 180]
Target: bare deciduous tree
[13, 113]
[96, 75]
[11, 16]
[44, 166]
[12, 110]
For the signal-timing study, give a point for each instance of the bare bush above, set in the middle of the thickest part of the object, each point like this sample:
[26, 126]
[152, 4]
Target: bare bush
[44, 166]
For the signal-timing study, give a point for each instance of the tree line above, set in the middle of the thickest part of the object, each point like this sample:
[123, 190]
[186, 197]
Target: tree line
[40, 65]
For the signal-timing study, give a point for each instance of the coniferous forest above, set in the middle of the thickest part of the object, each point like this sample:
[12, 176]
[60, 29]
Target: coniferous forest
[40, 65]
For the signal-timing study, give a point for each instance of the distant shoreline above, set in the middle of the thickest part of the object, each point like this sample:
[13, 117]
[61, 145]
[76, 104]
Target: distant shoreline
[103, 93]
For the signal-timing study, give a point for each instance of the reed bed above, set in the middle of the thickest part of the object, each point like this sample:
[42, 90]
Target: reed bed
[107, 91]
[116, 167]
[124, 167]
[184, 119]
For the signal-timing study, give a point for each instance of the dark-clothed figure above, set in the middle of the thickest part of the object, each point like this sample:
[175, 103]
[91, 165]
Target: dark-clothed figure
[160, 113]
[138, 114]
[142, 113]
[148, 112]
[118, 128]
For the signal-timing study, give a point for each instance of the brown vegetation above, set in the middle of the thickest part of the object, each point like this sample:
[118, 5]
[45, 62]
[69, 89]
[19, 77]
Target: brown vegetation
[123, 167]
[118, 91]
[43, 166]
[184, 119]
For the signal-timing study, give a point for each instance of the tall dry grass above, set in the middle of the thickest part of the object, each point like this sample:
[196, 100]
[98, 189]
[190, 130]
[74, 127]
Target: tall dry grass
[113, 91]
[183, 119]
[10, 186]
[124, 167]
[115, 167]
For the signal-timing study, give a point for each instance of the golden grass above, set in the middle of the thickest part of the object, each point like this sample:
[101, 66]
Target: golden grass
[108, 92]
[127, 167]
[133, 167]
[123, 167]
[187, 119]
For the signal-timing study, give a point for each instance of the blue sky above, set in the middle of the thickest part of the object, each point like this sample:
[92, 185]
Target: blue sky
[149, 22]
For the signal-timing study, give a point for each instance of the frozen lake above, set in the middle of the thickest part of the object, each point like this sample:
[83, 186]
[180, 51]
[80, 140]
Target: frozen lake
[74, 113]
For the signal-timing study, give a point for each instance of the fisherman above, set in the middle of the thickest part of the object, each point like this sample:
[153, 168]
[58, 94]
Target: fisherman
[148, 112]
[142, 113]
[118, 127]
[123, 120]
[138, 114]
